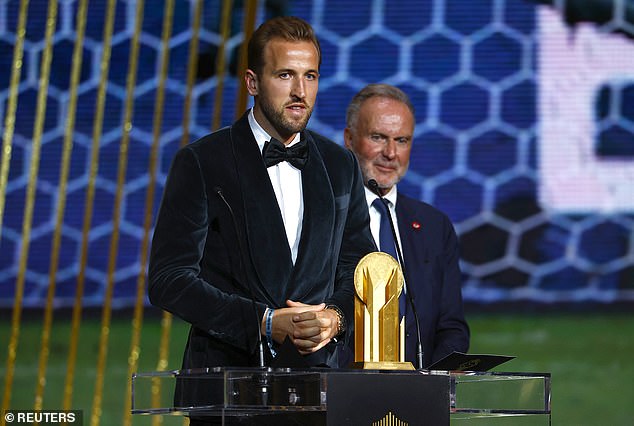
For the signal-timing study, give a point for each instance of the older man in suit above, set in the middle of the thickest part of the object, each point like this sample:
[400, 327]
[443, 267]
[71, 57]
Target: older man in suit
[262, 223]
[379, 130]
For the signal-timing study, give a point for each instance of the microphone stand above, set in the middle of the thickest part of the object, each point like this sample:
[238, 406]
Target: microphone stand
[218, 191]
[374, 187]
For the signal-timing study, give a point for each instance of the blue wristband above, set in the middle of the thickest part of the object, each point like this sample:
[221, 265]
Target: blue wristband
[269, 329]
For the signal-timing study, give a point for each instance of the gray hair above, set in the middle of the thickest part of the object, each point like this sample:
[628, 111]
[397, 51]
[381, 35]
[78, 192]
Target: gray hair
[373, 91]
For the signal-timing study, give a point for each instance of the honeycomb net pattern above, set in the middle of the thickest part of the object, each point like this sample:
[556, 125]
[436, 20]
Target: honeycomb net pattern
[472, 69]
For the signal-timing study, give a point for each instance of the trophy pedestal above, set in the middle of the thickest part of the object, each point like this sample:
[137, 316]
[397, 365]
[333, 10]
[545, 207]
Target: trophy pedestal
[382, 365]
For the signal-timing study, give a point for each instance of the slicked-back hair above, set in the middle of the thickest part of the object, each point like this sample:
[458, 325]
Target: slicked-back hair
[288, 28]
[374, 91]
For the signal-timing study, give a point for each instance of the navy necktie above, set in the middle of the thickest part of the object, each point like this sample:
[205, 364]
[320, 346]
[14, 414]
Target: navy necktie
[386, 243]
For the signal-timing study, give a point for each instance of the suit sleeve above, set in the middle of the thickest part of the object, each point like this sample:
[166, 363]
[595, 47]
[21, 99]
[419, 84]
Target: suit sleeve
[452, 331]
[175, 280]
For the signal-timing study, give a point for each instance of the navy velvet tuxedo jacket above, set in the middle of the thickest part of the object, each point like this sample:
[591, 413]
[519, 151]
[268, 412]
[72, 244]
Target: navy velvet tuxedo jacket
[430, 251]
[203, 266]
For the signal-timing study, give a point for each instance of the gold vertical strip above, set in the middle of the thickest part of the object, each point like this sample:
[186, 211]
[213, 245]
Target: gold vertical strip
[9, 127]
[168, 15]
[166, 326]
[61, 201]
[116, 215]
[12, 105]
[88, 207]
[225, 28]
[38, 129]
[248, 26]
[192, 64]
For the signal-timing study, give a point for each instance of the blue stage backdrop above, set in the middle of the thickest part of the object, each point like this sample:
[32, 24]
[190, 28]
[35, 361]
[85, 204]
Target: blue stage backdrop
[524, 136]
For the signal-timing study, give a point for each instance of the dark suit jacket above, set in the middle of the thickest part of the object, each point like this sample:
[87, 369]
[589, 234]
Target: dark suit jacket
[430, 251]
[203, 266]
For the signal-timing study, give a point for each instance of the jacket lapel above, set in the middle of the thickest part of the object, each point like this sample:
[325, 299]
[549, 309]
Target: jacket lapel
[265, 231]
[317, 225]
[414, 252]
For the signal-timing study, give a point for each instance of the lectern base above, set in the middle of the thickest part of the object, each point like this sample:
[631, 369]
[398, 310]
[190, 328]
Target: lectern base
[387, 398]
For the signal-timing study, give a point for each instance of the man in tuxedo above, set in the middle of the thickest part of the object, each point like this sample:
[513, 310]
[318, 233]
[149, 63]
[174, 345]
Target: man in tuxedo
[262, 223]
[379, 130]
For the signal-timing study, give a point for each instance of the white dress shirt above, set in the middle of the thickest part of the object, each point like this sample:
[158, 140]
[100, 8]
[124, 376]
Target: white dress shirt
[287, 184]
[375, 216]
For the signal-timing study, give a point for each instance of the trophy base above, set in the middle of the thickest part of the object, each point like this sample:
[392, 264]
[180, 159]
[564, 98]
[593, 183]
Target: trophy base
[382, 365]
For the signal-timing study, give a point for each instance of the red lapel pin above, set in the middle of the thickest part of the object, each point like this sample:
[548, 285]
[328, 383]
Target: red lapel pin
[416, 225]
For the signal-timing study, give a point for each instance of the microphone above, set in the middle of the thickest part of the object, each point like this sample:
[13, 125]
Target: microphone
[374, 187]
[218, 191]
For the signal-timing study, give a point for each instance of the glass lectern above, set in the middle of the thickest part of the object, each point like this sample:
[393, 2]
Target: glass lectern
[334, 397]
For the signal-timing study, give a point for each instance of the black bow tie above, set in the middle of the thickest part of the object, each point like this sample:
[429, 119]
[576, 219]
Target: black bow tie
[275, 152]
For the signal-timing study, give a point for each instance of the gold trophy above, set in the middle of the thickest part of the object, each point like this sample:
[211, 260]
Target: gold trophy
[379, 342]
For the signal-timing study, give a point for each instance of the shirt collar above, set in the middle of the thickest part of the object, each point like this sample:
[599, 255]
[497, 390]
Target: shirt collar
[390, 196]
[261, 136]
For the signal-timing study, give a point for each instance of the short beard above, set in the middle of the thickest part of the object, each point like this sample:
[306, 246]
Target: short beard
[383, 186]
[278, 120]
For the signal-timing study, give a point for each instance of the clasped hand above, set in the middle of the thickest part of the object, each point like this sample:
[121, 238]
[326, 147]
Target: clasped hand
[310, 327]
